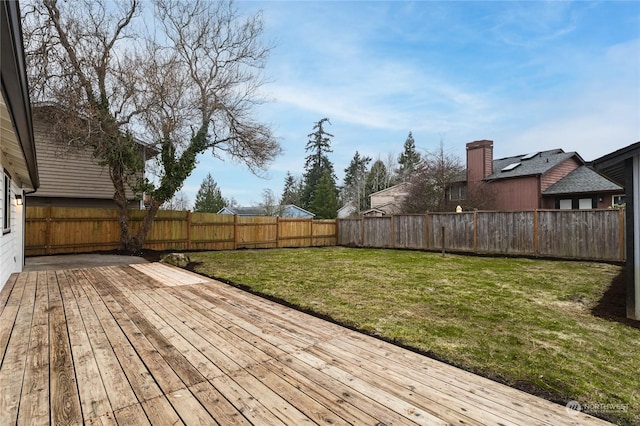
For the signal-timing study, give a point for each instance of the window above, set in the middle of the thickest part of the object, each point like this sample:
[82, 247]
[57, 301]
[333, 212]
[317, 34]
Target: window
[618, 201]
[6, 204]
[458, 192]
[585, 203]
[565, 204]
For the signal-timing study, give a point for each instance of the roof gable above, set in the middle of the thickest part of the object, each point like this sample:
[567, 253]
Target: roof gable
[288, 210]
[398, 189]
[582, 180]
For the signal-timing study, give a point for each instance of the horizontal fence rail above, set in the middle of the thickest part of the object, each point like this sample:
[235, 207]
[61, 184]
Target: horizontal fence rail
[566, 234]
[57, 230]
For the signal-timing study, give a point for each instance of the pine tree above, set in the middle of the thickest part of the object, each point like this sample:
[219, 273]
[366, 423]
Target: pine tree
[354, 182]
[317, 163]
[408, 160]
[209, 198]
[325, 201]
[291, 191]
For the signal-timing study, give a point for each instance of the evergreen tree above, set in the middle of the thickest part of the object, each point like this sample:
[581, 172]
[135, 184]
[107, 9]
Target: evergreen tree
[209, 198]
[354, 182]
[291, 191]
[325, 201]
[408, 160]
[317, 163]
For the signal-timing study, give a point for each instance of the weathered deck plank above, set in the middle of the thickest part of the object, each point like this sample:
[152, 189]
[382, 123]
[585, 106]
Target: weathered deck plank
[34, 403]
[153, 344]
[63, 387]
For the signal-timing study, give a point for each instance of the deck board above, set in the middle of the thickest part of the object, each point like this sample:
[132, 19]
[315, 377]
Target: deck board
[154, 344]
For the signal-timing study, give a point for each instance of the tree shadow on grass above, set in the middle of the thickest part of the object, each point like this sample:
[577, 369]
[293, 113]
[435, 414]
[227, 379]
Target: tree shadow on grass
[612, 306]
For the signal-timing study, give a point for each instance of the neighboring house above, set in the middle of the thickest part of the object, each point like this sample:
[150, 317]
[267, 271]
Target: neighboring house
[19, 173]
[388, 201]
[70, 176]
[551, 179]
[347, 210]
[623, 166]
[287, 211]
[375, 213]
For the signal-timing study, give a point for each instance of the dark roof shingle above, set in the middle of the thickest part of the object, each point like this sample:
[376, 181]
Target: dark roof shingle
[581, 180]
[538, 164]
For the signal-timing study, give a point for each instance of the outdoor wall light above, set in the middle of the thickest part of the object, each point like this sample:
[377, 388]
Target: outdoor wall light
[18, 200]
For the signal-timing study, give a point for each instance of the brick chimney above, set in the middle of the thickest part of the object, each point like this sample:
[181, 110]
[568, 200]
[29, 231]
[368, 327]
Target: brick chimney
[479, 160]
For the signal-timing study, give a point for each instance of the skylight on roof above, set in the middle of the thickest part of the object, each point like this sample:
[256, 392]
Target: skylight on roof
[530, 155]
[510, 167]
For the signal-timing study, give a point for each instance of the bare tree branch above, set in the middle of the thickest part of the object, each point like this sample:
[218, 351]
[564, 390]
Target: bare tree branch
[189, 85]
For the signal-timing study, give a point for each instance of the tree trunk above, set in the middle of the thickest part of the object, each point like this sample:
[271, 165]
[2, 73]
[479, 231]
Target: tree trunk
[129, 243]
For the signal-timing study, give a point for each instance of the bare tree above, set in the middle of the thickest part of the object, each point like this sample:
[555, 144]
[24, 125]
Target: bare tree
[430, 182]
[391, 163]
[179, 202]
[269, 203]
[189, 84]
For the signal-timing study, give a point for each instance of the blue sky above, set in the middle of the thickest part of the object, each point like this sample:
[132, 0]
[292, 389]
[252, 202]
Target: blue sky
[528, 75]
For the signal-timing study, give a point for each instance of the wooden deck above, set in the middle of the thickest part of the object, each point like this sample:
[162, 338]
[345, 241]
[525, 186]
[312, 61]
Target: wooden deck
[149, 343]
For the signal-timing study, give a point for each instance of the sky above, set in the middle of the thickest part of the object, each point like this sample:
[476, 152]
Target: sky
[528, 75]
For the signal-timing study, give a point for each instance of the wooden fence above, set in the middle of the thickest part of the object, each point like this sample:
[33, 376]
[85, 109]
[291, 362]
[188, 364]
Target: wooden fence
[567, 234]
[53, 230]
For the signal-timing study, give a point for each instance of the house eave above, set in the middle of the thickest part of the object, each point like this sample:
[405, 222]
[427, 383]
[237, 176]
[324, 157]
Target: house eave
[15, 90]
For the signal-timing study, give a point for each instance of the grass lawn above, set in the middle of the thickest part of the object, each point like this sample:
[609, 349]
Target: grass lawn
[524, 322]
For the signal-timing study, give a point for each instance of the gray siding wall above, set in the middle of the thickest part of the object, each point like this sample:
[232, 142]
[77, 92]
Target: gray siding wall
[69, 173]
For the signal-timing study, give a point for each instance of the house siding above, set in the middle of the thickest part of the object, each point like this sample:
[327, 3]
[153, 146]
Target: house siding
[68, 173]
[11, 243]
[558, 172]
[517, 194]
[394, 195]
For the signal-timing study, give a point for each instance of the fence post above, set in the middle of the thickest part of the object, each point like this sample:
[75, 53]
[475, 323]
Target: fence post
[337, 232]
[442, 240]
[235, 231]
[475, 231]
[188, 229]
[393, 237]
[426, 231]
[621, 215]
[362, 226]
[536, 243]
[47, 232]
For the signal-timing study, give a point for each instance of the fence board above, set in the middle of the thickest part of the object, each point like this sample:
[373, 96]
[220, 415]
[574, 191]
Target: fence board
[410, 232]
[505, 232]
[72, 230]
[565, 234]
[350, 232]
[579, 234]
[377, 232]
[458, 231]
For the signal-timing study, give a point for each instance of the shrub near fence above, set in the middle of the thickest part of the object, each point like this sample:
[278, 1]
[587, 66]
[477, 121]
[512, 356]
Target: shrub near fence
[53, 230]
[567, 234]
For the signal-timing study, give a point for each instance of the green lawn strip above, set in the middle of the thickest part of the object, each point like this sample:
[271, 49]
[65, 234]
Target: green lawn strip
[524, 322]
